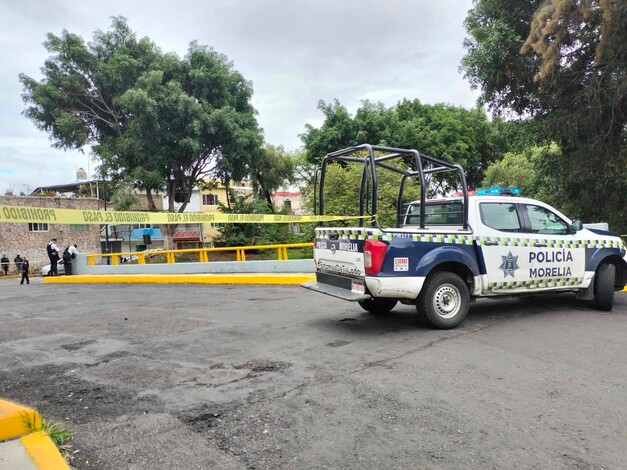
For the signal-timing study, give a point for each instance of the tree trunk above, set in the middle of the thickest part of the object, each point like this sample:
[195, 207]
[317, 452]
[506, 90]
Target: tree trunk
[167, 231]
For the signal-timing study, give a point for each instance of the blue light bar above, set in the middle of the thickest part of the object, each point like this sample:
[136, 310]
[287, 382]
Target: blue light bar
[497, 191]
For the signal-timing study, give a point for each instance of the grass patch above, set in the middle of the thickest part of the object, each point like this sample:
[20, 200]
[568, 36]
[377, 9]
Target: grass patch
[57, 434]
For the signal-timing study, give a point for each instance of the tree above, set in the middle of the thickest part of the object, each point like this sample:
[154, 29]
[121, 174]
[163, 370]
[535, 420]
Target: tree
[275, 170]
[251, 234]
[337, 131]
[451, 133]
[166, 122]
[521, 169]
[562, 63]
[123, 195]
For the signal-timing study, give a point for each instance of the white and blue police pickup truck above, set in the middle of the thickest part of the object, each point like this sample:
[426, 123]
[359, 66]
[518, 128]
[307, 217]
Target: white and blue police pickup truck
[446, 251]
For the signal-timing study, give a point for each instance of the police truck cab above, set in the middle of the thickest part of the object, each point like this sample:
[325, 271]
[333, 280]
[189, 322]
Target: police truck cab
[444, 250]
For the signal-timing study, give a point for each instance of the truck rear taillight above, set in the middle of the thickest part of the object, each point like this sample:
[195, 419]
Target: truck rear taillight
[374, 254]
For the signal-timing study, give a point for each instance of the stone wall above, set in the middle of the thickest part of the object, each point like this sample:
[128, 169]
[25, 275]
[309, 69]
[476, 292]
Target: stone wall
[15, 238]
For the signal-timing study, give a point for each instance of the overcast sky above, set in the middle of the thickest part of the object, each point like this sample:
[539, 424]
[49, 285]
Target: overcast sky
[295, 52]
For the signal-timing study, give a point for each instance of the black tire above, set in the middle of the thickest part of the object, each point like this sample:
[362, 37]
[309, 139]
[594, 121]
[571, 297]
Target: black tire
[604, 286]
[444, 300]
[378, 306]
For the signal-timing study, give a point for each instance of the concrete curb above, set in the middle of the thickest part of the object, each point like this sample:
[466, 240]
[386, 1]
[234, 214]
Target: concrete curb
[35, 451]
[17, 420]
[32, 451]
[257, 278]
[42, 452]
[249, 278]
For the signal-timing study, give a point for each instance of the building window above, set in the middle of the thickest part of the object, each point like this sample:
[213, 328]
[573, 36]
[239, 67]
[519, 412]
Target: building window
[79, 227]
[214, 225]
[34, 227]
[287, 203]
[209, 199]
[138, 226]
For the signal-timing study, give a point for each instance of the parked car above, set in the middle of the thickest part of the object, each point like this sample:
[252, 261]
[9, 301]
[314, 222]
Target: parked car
[60, 268]
[147, 254]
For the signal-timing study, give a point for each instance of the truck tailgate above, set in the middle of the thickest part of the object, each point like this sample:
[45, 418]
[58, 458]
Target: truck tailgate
[339, 258]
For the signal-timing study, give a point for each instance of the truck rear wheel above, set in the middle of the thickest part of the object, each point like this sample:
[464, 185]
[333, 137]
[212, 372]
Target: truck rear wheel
[444, 300]
[378, 306]
[604, 286]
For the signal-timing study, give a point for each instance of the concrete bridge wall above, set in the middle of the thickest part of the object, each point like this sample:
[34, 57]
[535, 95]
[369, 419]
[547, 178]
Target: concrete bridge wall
[80, 266]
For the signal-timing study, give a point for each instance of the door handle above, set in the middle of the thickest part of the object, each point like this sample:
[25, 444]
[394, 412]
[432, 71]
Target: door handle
[540, 244]
[488, 243]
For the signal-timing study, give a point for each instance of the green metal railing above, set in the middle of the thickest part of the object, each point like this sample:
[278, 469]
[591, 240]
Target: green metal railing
[203, 253]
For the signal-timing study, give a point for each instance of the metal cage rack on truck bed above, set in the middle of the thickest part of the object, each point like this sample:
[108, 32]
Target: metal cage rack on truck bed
[418, 165]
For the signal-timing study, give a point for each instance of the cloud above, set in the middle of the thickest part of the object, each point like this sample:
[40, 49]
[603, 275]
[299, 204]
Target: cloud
[295, 53]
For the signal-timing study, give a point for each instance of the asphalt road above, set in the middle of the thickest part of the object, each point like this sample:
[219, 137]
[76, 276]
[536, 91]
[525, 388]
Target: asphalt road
[261, 377]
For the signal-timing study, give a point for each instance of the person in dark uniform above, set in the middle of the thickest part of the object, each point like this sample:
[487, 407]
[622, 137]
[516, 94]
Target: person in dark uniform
[18, 263]
[25, 267]
[5, 264]
[53, 256]
[67, 261]
[68, 255]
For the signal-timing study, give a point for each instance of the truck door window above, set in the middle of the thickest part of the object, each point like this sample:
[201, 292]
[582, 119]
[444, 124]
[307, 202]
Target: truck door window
[546, 222]
[500, 216]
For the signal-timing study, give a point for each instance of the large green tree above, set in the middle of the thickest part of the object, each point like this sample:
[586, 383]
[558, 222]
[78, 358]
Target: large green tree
[167, 122]
[563, 64]
[451, 133]
[523, 170]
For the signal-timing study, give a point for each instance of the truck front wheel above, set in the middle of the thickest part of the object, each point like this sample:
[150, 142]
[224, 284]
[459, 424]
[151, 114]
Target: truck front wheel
[604, 286]
[377, 306]
[444, 300]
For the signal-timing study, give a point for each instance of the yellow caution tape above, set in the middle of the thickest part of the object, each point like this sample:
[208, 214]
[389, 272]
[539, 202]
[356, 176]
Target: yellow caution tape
[75, 216]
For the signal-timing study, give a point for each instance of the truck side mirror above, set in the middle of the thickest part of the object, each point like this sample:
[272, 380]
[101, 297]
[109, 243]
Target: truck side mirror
[576, 226]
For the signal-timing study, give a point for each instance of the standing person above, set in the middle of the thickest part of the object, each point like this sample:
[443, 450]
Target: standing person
[53, 256]
[4, 261]
[71, 251]
[18, 263]
[68, 255]
[25, 266]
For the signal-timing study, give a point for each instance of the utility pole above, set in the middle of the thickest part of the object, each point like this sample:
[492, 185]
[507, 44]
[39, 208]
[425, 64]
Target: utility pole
[104, 191]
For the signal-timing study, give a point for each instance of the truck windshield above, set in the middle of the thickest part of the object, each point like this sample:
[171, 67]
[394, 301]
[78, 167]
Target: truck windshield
[436, 213]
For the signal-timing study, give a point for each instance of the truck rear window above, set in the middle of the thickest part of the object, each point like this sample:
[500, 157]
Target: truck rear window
[444, 213]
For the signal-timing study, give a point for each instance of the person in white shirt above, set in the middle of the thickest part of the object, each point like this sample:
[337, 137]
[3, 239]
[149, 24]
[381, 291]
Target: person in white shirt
[73, 249]
[68, 255]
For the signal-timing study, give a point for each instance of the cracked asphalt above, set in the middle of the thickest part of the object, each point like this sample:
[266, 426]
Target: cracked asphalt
[267, 377]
